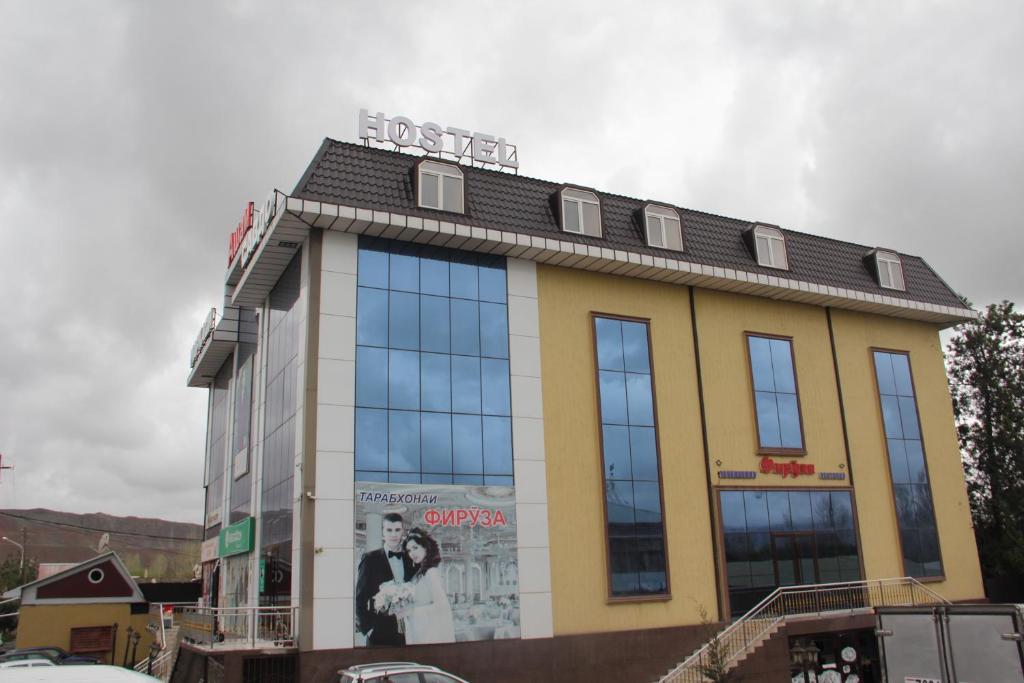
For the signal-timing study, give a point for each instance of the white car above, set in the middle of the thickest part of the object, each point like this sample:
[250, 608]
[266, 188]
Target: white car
[100, 673]
[396, 672]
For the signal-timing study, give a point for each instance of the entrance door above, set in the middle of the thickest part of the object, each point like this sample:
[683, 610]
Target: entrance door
[793, 554]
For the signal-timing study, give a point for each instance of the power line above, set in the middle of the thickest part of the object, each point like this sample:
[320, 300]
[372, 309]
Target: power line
[106, 531]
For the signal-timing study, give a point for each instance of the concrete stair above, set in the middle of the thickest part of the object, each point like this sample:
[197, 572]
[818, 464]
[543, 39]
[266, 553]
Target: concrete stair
[693, 676]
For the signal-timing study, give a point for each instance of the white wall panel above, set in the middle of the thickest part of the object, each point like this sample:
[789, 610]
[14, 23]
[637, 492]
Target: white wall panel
[334, 536]
[528, 451]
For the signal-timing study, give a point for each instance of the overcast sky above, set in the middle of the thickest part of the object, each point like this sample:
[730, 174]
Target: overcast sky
[133, 133]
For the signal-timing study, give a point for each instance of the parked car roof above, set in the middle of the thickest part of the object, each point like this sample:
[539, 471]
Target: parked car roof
[26, 663]
[53, 654]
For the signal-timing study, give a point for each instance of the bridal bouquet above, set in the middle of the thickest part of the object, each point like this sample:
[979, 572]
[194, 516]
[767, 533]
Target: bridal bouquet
[393, 597]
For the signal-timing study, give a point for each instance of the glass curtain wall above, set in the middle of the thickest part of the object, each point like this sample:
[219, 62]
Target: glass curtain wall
[786, 538]
[218, 446]
[915, 512]
[632, 475]
[433, 399]
[239, 502]
[279, 438]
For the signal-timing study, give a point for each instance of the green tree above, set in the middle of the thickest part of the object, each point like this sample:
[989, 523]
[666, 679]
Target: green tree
[11, 572]
[985, 362]
[10, 577]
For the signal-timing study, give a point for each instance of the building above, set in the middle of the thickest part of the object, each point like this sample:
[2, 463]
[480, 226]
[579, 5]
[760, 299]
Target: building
[673, 413]
[93, 608]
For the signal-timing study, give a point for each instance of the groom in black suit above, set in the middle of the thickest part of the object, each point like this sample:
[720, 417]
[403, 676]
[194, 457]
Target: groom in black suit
[377, 567]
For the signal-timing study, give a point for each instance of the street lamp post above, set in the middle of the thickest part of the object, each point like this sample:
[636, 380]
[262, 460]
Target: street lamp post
[21, 565]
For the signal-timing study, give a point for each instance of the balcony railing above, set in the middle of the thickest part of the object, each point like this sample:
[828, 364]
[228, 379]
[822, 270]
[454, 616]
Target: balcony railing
[724, 649]
[237, 627]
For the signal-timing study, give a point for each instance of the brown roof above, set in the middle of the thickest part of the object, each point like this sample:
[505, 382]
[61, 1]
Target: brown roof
[372, 178]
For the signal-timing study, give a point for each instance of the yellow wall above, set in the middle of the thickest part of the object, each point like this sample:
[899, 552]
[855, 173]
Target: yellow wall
[50, 625]
[575, 496]
[856, 334]
[579, 572]
[722, 321]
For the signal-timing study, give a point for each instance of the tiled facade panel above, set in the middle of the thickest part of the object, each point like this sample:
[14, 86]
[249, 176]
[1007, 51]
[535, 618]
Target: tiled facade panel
[334, 534]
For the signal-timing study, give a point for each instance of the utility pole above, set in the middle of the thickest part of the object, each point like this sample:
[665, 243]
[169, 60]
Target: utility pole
[24, 543]
[21, 547]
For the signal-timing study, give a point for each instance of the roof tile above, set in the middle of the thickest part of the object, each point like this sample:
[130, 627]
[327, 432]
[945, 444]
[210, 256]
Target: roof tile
[372, 178]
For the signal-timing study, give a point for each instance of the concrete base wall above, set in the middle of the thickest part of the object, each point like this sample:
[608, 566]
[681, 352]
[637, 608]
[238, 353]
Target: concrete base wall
[640, 656]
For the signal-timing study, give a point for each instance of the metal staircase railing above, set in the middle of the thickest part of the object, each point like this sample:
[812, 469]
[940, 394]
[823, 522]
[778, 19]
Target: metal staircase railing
[722, 651]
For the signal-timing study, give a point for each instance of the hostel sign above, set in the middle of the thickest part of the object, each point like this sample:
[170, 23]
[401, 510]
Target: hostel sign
[251, 228]
[434, 138]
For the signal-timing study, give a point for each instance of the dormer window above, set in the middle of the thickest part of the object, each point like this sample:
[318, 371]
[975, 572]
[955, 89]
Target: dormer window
[440, 186]
[581, 212]
[890, 270]
[664, 229]
[771, 247]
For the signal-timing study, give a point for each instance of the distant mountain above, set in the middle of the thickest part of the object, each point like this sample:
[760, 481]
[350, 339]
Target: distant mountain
[154, 548]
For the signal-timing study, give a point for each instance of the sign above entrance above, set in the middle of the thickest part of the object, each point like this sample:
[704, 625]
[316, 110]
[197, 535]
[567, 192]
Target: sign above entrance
[786, 469]
[432, 138]
[237, 538]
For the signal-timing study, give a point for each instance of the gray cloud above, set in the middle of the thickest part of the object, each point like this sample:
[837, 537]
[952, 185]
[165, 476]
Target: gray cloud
[133, 133]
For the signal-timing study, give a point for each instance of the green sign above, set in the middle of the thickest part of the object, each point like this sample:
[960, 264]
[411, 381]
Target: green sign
[237, 538]
[263, 575]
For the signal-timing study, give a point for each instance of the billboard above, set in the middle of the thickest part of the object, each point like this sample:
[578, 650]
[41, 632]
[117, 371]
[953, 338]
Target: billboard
[435, 564]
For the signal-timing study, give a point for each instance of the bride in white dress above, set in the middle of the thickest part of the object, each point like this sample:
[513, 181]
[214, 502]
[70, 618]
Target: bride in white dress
[429, 619]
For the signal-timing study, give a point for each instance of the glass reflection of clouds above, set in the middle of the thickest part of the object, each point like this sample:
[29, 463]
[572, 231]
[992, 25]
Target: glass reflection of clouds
[915, 513]
[775, 400]
[433, 392]
[636, 535]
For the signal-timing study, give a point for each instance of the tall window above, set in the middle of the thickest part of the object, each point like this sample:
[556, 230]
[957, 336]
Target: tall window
[433, 398]
[915, 513]
[632, 475]
[241, 431]
[786, 538]
[779, 427]
[279, 436]
[581, 212]
[220, 401]
[771, 247]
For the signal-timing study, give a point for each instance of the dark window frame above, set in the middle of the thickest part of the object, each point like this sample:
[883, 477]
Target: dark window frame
[719, 529]
[771, 450]
[611, 598]
[888, 461]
